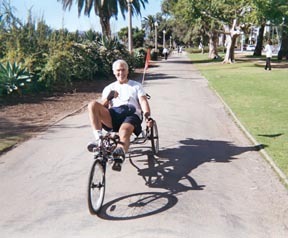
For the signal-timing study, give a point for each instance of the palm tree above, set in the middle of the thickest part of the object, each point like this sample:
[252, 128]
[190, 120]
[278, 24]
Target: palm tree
[7, 17]
[105, 9]
[148, 23]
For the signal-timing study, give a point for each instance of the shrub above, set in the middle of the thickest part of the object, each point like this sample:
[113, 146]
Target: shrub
[13, 78]
[154, 54]
[56, 75]
[139, 56]
[86, 61]
[111, 50]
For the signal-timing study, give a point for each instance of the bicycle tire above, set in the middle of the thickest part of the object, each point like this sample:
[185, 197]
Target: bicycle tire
[154, 137]
[96, 187]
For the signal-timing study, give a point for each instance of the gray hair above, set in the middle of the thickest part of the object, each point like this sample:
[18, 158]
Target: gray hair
[121, 62]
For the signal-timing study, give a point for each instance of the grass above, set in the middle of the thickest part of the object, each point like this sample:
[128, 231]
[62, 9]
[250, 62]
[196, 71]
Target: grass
[8, 141]
[258, 98]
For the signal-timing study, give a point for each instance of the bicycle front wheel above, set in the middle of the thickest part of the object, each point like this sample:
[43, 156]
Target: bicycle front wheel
[96, 188]
[154, 137]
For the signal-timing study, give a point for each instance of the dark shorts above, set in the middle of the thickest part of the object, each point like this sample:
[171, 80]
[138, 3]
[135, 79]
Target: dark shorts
[124, 113]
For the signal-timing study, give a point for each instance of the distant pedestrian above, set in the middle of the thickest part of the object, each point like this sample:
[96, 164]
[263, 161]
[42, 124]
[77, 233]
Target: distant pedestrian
[201, 47]
[268, 50]
[165, 53]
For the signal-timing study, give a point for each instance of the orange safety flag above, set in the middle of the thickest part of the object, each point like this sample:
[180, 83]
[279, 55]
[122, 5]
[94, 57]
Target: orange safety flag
[147, 59]
[146, 64]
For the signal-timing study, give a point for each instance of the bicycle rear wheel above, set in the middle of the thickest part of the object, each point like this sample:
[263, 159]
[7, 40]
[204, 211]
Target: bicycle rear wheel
[154, 137]
[96, 188]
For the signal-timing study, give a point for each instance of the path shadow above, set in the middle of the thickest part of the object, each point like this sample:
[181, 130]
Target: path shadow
[271, 135]
[158, 76]
[172, 170]
[176, 61]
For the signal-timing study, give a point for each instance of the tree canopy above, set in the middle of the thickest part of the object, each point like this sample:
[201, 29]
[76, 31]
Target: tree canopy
[105, 10]
[200, 20]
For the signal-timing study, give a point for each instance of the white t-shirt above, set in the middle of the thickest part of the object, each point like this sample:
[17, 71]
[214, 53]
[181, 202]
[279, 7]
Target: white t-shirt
[129, 93]
[268, 50]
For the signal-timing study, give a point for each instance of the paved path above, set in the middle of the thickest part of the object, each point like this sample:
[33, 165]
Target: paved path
[207, 182]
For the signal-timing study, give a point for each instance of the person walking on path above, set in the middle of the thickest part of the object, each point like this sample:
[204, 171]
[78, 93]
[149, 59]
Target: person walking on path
[165, 53]
[268, 50]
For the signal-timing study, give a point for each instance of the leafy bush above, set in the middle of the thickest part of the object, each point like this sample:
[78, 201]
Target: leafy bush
[140, 56]
[111, 50]
[154, 55]
[56, 75]
[13, 78]
[56, 58]
[86, 61]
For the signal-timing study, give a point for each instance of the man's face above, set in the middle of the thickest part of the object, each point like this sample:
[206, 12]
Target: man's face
[121, 73]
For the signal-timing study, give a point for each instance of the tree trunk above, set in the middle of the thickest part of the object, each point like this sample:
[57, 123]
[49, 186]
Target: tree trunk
[231, 36]
[228, 43]
[213, 39]
[105, 26]
[259, 44]
[283, 52]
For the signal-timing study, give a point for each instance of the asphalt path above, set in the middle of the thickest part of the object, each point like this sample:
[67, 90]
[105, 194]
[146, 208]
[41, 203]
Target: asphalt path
[208, 180]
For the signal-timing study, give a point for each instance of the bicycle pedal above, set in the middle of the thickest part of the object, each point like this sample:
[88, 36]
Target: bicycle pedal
[117, 166]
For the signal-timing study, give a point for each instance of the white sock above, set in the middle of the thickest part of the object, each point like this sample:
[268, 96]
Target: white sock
[97, 134]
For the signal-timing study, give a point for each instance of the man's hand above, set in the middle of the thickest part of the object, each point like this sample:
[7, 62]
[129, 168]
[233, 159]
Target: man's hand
[148, 119]
[111, 95]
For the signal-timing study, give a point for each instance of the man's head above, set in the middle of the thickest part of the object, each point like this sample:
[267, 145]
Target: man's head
[120, 70]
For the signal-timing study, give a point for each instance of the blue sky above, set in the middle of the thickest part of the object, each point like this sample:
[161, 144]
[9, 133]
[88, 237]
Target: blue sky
[55, 17]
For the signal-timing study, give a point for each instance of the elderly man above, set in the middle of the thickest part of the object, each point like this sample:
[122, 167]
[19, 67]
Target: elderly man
[123, 103]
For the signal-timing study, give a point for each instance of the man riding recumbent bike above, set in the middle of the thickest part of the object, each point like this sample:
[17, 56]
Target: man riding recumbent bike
[124, 102]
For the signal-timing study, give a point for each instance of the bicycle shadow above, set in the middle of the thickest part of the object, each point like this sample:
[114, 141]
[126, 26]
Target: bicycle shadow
[171, 171]
[137, 205]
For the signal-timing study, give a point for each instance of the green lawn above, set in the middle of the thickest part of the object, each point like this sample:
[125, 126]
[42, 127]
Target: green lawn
[258, 98]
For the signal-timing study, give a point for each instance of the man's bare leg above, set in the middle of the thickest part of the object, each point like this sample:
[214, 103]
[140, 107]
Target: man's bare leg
[98, 115]
[125, 133]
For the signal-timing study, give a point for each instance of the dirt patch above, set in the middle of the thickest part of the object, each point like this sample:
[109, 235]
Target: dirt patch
[22, 118]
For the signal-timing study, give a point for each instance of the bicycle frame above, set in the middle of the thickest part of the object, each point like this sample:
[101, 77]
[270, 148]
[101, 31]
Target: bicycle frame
[142, 138]
[108, 142]
[103, 154]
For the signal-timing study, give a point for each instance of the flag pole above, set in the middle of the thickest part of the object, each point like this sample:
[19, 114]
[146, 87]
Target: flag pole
[144, 72]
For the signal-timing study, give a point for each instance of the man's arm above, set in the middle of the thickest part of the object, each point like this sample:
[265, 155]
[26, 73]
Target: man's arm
[111, 95]
[146, 110]
[145, 106]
